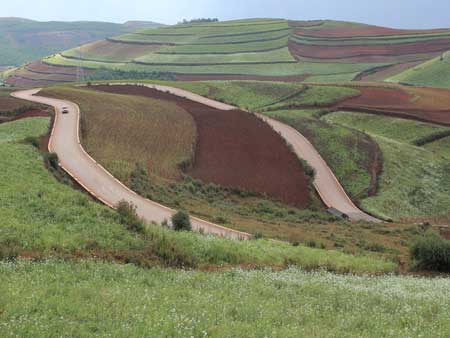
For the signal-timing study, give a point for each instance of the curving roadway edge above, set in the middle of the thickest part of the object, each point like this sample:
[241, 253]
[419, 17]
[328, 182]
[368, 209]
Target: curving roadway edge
[65, 141]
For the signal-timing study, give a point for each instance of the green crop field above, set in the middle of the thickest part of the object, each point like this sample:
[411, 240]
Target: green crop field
[402, 130]
[316, 96]
[276, 56]
[441, 147]
[432, 73]
[414, 181]
[280, 69]
[66, 298]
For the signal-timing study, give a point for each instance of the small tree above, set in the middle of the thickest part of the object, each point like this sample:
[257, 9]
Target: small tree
[129, 217]
[181, 221]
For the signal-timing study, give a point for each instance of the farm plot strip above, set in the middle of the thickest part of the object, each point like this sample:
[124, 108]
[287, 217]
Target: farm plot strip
[233, 150]
[94, 178]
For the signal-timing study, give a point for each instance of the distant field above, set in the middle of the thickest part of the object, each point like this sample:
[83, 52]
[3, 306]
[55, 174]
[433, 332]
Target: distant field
[64, 298]
[251, 69]
[25, 40]
[413, 182]
[315, 97]
[432, 73]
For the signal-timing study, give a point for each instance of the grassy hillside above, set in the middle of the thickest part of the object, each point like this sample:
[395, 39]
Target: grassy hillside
[433, 73]
[65, 298]
[41, 217]
[25, 40]
[414, 180]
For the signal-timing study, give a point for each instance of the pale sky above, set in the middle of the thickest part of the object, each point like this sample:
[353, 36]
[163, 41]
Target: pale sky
[391, 13]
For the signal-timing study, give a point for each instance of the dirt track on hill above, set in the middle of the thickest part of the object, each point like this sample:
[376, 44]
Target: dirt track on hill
[94, 178]
[421, 104]
[231, 150]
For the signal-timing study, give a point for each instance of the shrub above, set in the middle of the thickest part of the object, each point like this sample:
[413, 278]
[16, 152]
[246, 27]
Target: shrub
[181, 221]
[129, 217]
[309, 171]
[33, 140]
[431, 252]
[51, 160]
[140, 181]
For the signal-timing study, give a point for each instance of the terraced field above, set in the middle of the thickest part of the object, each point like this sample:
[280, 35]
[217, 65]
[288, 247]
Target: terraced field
[433, 73]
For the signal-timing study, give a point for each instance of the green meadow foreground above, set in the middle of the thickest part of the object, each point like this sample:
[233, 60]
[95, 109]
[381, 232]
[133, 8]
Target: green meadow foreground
[86, 299]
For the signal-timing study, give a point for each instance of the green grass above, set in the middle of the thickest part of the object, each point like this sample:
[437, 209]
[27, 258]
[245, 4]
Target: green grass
[279, 55]
[370, 41]
[40, 217]
[402, 130]
[245, 94]
[251, 69]
[347, 152]
[315, 96]
[220, 28]
[441, 147]
[99, 300]
[227, 48]
[432, 73]
[414, 181]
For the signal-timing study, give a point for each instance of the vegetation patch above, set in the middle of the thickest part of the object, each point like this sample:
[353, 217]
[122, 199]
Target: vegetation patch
[413, 181]
[191, 303]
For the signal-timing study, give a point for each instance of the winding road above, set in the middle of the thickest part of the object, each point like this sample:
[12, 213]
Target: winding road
[101, 184]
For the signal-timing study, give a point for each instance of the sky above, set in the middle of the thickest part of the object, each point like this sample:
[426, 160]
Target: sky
[390, 13]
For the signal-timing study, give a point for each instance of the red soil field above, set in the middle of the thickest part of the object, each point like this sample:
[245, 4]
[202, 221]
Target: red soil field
[337, 52]
[40, 67]
[361, 31]
[422, 104]
[236, 149]
[206, 77]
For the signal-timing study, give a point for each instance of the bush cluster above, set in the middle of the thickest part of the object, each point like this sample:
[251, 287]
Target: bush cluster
[129, 217]
[431, 252]
[181, 221]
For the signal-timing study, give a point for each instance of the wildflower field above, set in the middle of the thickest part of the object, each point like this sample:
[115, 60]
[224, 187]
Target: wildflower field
[94, 299]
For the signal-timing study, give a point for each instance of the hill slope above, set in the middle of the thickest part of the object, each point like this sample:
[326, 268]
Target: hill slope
[275, 49]
[24, 40]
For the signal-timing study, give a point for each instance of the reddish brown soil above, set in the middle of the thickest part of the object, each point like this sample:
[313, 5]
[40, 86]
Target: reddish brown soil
[422, 104]
[43, 68]
[371, 51]
[385, 72]
[18, 81]
[361, 31]
[236, 149]
[206, 77]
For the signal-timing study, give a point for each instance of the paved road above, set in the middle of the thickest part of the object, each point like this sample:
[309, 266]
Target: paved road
[94, 178]
[326, 184]
[65, 142]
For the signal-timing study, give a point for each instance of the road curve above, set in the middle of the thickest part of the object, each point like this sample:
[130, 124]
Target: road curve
[64, 141]
[326, 184]
[328, 187]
